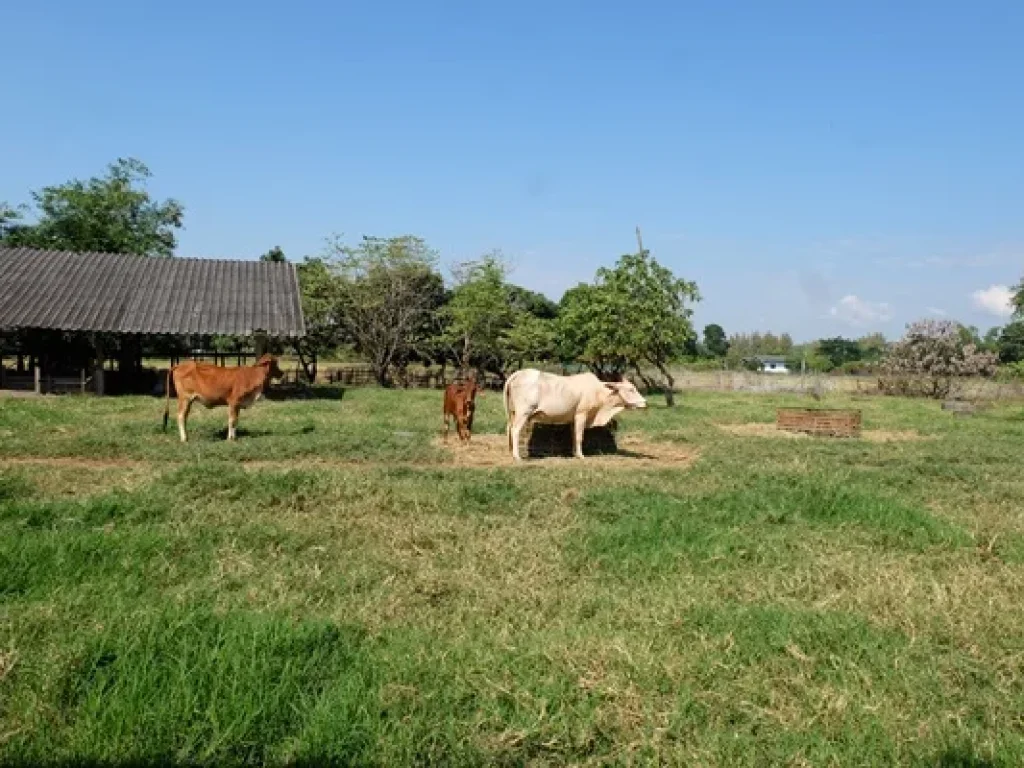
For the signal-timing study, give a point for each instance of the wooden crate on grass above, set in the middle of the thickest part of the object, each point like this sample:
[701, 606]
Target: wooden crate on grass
[828, 422]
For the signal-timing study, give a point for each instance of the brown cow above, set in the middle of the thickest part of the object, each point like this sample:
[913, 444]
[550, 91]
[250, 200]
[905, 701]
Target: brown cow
[212, 385]
[460, 403]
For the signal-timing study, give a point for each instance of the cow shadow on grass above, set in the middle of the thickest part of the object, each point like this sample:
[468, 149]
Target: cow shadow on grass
[243, 433]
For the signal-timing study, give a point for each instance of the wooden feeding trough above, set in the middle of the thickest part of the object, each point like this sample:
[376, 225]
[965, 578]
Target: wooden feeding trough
[830, 422]
[538, 441]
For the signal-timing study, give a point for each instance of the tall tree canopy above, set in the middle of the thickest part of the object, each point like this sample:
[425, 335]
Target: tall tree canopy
[275, 255]
[321, 309]
[1018, 299]
[839, 350]
[478, 313]
[715, 341]
[531, 302]
[635, 314]
[388, 291]
[1010, 344]
[111, 213]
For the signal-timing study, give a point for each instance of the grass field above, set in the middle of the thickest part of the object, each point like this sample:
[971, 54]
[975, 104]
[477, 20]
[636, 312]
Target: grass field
[336, 588]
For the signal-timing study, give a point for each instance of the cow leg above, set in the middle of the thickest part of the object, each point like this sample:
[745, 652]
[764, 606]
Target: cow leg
[517, 427]
[232, 420]
[447, 425]
[184, 406]
[579, 425]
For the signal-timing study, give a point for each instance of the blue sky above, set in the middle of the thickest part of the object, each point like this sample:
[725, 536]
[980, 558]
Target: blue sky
[817, 168]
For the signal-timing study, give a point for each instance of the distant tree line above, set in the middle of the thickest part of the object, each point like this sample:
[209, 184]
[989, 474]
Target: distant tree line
[384, 300]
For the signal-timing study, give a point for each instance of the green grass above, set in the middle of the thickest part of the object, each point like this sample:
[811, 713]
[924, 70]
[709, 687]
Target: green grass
[333, 590]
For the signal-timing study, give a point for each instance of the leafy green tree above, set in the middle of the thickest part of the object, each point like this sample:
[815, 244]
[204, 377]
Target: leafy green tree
[715, 341]
[479, 313]
[838, 350]
[321, 309]
[1018, 299]
[872, 347]
[745, 346]
[388, 291]
[635, 314]
[275, 255]
[531, 302]
[1010, 344]
[9, 217]
[530, 338]
[112, 213]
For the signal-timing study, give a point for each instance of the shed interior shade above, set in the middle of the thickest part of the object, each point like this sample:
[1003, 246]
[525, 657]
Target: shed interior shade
[124, 293]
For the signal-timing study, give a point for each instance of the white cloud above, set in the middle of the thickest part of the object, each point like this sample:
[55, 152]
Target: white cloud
[996, 300]
[856, 311]
[938, 312]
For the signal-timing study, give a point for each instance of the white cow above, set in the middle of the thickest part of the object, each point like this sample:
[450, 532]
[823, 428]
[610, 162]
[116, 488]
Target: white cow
[582, 400]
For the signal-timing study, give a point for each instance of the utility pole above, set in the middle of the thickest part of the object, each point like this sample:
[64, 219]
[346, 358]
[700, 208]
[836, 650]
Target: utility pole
[639, 242]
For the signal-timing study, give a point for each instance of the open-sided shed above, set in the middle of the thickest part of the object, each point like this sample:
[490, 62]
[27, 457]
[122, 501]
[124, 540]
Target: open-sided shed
[102, 295]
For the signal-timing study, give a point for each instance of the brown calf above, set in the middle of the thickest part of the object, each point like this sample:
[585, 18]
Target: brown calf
[212, 385]
[459, 404]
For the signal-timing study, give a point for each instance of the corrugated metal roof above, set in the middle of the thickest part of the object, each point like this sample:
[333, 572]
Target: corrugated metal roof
[122, 293]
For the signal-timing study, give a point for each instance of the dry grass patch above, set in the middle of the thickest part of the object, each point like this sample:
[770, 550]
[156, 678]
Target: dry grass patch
[633, 451]
[763, 429]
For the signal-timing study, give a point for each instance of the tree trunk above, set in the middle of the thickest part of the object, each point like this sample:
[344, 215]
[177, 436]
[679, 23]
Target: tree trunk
[670, 397]
[308, 361]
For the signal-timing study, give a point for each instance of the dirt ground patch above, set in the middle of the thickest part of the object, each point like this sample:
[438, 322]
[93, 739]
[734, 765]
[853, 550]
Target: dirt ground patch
[73, 462]
[492, 451]
[760, 429]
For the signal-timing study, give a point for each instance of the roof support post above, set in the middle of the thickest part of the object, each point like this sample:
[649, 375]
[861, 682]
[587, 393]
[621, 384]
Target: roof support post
[97, 345]
[260, 344]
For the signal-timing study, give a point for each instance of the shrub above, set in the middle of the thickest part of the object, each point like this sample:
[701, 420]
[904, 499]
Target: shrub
[1011, 372]
[931, 360]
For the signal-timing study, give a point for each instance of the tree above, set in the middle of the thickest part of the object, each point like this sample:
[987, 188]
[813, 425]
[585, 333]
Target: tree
[321, 309]
[715, 341]
[1010, 344]
[531, 302]
[275, 255]
[1018, 299]
[745, 346]
[838, 350]
[478, 313]
[112, 213]
[387, 293]
[635, 313]
[872, 347]
[529, 338]
[9, 216]
[930, 358]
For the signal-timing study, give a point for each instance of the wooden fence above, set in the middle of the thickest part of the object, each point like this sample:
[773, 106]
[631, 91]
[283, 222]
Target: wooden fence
[45, 384]
[364, 376]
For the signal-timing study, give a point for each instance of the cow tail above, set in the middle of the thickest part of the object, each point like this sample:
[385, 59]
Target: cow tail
[167, 397]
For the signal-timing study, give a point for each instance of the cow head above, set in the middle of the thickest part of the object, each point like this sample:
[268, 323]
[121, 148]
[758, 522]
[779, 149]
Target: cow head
[269, 363]
[627, 393]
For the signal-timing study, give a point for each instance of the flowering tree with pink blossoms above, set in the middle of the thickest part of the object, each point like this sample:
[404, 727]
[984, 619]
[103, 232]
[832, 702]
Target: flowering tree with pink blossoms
[933, 360]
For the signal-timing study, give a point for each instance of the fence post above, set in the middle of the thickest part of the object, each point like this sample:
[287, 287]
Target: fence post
[83, 381]
[38, 376]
